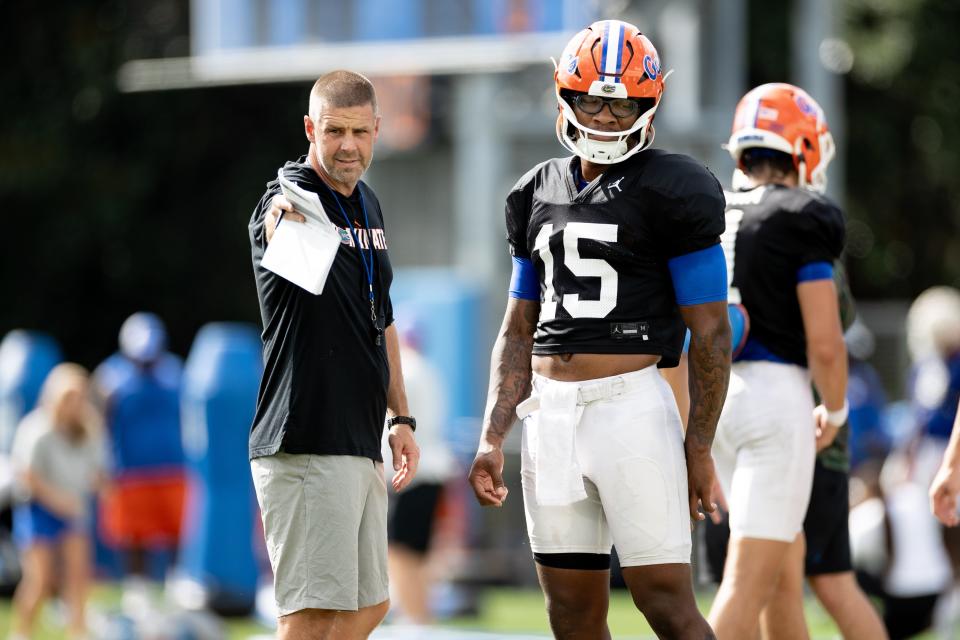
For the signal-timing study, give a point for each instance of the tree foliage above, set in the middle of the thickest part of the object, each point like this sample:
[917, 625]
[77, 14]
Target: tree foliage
[903, 135]
[903, 95]
[115, 202]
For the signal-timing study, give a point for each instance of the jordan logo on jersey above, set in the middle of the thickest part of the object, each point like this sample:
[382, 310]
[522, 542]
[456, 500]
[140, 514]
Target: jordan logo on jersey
[629, 330]
[616, 185]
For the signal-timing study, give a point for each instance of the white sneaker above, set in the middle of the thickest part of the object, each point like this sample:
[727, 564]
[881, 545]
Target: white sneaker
[135, 601]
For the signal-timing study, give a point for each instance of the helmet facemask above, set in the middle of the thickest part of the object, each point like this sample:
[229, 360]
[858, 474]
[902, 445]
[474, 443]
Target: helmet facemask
[575, 137]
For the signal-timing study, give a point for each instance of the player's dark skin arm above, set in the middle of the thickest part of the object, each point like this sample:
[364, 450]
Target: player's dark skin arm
[510, 375]
[709, 372]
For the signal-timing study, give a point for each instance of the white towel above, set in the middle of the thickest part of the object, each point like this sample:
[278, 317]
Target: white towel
[559, 479]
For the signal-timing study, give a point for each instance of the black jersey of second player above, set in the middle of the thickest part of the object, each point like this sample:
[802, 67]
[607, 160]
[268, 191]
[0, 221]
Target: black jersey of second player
[601, 253]
[773, 231]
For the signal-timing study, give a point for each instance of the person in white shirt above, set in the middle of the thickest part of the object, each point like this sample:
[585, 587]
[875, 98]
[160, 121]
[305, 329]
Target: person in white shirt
[59, 460]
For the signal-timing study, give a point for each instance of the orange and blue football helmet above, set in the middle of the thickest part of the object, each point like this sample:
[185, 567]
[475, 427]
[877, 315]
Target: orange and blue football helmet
[785, 118]
[609, 59]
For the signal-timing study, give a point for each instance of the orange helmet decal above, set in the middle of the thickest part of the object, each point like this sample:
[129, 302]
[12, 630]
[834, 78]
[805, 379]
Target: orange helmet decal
[784, 118]
[611, 59]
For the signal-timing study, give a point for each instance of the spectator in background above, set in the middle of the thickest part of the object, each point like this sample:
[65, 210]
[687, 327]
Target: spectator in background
[933, 337]
[868, 438]
[59, 460]
[140, 390]
[917, 568]
[413, 512]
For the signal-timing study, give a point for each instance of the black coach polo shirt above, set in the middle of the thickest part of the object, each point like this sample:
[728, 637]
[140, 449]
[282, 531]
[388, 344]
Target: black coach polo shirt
[325, 379]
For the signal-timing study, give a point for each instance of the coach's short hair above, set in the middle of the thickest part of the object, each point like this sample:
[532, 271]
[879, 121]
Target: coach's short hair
[341, 89]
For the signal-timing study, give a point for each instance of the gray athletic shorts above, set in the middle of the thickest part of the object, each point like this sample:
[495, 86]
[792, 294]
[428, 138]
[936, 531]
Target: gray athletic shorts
[325, 523]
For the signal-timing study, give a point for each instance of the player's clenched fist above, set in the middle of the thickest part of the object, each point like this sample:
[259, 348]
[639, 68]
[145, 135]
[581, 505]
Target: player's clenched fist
[701, 480]
[486, 478]
[280, 207]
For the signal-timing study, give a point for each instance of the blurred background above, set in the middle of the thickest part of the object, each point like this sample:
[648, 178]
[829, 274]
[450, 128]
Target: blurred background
[136, 137]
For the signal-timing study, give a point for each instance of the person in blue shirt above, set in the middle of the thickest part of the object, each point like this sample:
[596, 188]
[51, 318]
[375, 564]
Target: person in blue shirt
[139, 389]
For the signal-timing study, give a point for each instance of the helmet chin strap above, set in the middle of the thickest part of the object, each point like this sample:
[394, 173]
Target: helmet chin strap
[609, 151]
[601, 151]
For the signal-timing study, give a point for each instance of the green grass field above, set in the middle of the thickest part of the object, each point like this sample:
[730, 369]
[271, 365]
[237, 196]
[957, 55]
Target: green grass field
[502, 610]
[522, 610]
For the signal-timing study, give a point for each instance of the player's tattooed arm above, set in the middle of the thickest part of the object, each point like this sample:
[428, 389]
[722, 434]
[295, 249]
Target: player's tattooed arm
[709, 366]
[509, 384]
[709, 371]
[510, 368]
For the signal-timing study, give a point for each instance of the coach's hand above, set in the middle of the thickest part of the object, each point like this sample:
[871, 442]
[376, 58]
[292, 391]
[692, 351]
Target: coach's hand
[406, 455]
[701, 479]
[486, 477]
[279, 206]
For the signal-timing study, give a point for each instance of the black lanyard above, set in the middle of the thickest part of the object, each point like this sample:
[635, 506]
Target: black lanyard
[366, 258]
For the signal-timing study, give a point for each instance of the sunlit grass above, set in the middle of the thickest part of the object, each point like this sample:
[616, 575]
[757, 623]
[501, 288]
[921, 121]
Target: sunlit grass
[501, 610]
[107, 598]
[523, 610]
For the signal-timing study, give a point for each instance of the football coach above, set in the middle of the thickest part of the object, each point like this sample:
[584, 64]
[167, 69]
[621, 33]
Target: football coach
[332, 376]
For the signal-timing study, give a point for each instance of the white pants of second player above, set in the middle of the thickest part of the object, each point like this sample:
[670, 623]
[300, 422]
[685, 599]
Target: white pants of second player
[629, 447]
[765, 449]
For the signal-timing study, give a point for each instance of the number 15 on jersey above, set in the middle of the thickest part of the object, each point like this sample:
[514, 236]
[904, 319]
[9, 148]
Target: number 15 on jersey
[576, 306]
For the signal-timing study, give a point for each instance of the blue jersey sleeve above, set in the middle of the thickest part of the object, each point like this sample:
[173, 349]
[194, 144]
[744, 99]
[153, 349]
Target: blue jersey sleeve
[815, 271]
[700, 276]
[739, 329]
[524, 283]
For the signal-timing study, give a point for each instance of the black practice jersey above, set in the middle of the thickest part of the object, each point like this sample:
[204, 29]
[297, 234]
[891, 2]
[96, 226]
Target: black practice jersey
[773, 231]
[325, 377]
[601, 253]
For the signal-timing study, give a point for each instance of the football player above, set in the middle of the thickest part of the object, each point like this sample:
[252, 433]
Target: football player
[781, 240]
[828, 561]
[615, 249]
